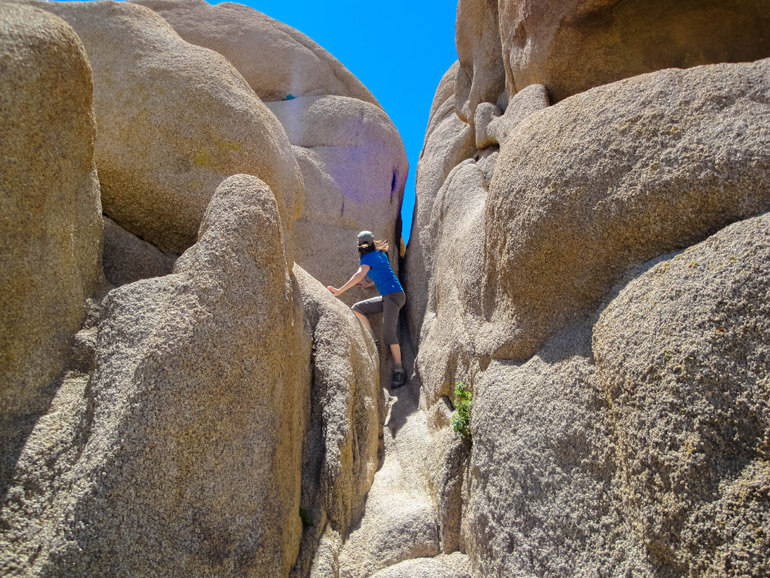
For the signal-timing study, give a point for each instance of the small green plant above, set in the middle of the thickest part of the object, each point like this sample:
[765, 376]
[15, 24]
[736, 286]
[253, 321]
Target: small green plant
[307, 521]
[461, 419]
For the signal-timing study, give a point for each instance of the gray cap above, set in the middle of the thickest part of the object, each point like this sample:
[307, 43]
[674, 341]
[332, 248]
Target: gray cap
[365, 239]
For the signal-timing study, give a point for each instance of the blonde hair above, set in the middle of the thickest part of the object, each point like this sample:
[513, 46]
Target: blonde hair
[379, 245]
[383, 246]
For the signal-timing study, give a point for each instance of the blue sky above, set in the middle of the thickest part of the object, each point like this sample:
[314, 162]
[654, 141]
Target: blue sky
[399, 49]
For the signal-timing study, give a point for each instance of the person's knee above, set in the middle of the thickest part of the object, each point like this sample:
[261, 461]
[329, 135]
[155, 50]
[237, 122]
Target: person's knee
[361, 316]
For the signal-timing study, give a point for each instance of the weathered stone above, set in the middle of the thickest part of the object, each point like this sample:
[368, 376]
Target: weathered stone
[354, 166]
[342, 439]
[399, 520]
[486, 112]
[525, 102]
[567, 469]
[51, 445]
[453, 312]
[326, 560]
[542, 464]
[50, 216]
[448, 142]
[127, 258]
[184, 448]
[276, 60]
[444, 91]
[454, 565]
[193, 451]
[174, 121]
[349, 152]
[683, 355]
[585, 189]
[446, 466]
[481, 76]
[573, 45]
[643, 451]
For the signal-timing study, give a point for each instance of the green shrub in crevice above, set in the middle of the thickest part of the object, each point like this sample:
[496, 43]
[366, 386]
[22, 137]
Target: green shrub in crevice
[461, 419]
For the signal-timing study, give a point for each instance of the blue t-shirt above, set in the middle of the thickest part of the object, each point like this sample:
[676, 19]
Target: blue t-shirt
[381, 273]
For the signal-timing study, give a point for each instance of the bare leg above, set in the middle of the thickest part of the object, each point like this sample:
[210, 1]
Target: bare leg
[364, 321]
[395, 351]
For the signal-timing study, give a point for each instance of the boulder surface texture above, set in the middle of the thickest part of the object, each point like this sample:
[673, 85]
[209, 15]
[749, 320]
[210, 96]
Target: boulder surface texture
[589, 257]
[174, 121]
[612, 177]
[574, 45]
[350, 154]
[50, 215]
[193, 455]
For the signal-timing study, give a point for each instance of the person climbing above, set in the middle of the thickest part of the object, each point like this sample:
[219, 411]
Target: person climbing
[375, 265]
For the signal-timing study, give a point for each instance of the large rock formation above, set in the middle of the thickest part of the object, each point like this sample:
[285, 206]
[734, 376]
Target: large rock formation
[573, 45]
[682, 353]
[572, 204]
[623, 445]
[201, 114]
[175, 120]
[198, 444]
[612, 177]
[448, 141]
[349, 153]
[354, 167]
[481, 75]
[224, 417]
[610, 426]
[179, 433]
[561, 438]
[340, 453]
[193, 454]
[542, 446]
[276, 60]
[50, 247]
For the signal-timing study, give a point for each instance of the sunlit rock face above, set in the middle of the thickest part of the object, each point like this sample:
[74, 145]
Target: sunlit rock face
[448, 141]
[179, 96]
[589, 255]
[50, 215]
[193, 402]
[194, 441]
[218, 410]
[612, 177]
[573, 45]
[276, 60]
[354, 166]
[481, 74]
[342, 440]
[682, 351]
[350, 155]
[612, 423]
[174, 121]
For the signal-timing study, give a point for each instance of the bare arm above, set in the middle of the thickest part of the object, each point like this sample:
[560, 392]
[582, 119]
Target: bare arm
[352, 282]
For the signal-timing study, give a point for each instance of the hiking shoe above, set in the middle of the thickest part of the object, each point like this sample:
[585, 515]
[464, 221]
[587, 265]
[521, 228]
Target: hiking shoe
[399, 378]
